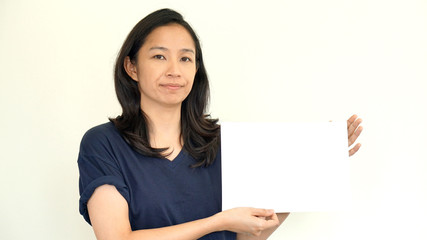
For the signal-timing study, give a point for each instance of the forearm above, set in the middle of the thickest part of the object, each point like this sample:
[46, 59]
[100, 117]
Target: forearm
[185, 231]
[231, 220]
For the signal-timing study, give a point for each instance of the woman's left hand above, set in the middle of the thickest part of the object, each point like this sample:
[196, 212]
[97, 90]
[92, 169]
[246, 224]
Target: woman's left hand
[353, 131]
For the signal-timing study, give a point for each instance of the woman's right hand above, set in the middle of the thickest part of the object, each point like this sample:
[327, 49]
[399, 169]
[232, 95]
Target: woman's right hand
[248, 220]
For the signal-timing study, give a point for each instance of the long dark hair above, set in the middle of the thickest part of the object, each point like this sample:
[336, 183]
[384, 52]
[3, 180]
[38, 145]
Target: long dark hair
[199, 132]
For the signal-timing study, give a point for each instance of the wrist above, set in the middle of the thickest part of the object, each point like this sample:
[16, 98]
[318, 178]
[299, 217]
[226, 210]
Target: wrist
[218, 222]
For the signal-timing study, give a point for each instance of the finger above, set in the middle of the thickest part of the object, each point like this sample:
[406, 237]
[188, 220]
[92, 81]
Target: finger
[353, 126]
[354, 136]
[352, 129]
[356, 148]
[273, 217]
[273, 221]
[260, 212]
[351, 120]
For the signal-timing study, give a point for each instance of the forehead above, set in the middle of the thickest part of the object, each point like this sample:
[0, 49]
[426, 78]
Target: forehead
[170, 36]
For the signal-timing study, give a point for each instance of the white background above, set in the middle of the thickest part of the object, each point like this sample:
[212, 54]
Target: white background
[267, 60]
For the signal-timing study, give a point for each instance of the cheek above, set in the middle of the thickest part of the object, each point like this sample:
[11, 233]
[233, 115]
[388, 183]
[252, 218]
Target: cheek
[190, 81]
[190, 75]
[148, 75]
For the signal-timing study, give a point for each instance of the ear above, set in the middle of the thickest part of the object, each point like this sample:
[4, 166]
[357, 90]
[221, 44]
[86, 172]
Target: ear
[130, 69]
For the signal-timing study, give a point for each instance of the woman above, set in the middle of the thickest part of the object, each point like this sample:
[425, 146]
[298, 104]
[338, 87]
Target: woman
[154, 172]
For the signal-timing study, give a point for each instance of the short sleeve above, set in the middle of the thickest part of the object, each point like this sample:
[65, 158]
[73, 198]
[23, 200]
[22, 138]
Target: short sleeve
[97, 167]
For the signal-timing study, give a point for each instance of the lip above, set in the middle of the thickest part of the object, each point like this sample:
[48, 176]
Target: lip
[171, 86]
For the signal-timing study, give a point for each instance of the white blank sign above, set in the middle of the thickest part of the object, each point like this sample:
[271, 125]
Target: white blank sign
[288, 167]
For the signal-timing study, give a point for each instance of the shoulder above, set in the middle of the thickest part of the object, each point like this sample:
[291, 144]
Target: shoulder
[103, 131]
[100, 136]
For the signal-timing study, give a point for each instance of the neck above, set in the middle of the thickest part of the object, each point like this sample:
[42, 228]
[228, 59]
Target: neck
[164, 126]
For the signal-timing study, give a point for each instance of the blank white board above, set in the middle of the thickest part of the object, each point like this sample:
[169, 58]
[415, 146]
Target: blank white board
[288, 167]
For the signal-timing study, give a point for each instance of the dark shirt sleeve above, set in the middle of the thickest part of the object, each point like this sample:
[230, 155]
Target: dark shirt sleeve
[97, 167]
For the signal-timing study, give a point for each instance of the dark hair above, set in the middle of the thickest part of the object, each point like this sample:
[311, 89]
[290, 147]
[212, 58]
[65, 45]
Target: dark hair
[199, 132]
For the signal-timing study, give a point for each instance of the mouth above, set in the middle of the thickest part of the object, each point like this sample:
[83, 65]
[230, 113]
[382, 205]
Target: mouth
[171, 86]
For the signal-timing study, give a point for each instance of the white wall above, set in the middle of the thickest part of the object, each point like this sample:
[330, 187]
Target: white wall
[282, 61]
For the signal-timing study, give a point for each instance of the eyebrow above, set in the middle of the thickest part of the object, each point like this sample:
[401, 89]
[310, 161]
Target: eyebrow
[166, 49]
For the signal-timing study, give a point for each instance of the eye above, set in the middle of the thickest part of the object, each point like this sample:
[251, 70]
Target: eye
[160, 57]
[186, 59]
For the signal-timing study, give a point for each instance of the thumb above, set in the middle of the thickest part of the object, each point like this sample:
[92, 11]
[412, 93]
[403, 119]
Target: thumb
[259, 212]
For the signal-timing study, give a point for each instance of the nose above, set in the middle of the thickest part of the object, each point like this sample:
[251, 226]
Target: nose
[173, 69]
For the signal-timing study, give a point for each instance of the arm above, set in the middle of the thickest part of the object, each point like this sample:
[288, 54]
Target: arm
[109, 216]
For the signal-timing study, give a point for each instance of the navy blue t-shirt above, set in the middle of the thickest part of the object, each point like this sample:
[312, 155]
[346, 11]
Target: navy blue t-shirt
[159, 192]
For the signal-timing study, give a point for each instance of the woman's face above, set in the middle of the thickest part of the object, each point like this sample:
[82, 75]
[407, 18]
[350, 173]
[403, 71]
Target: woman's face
[165, 67]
